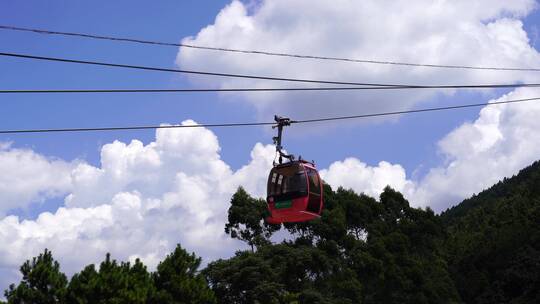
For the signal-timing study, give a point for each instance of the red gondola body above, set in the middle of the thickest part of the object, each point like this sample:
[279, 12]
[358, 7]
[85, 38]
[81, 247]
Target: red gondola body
[295, 193]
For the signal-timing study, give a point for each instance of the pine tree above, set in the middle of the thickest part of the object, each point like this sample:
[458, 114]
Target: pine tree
[42, 282]
[177, 280]
[113, 283]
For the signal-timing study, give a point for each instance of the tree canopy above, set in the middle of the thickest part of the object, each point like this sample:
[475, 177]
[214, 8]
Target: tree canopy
[361, 250]
[176, 280]
[42, 282]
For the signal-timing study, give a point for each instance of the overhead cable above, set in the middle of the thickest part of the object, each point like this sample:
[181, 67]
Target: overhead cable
[136, 128]
[148, 68]
[323, 119]
[363, 85]
[71, 91]
[471, 105]
[268, 53]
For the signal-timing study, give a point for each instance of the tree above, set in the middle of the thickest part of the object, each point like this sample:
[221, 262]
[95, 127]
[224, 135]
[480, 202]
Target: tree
[359, 251]
[42, 282]
[493, 243]
[403, 258]
[246, 278]
[113, 283]
[246, 220]
[177, 280]
[83, 286]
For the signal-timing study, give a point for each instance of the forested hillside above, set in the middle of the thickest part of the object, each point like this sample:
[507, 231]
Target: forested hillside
[493, 244]
[362, 250]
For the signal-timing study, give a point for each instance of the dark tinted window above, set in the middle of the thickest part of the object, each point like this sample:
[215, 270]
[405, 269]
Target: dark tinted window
[314, 184]
[287, 182]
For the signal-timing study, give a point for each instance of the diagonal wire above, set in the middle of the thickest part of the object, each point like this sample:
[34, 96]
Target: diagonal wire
[148, 68]
[267, 53]
[471, 105]
[364, 85]
[401, 87]
[323, 119]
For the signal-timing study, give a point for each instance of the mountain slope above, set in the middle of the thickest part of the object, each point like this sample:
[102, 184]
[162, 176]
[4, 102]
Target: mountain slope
[493, 244]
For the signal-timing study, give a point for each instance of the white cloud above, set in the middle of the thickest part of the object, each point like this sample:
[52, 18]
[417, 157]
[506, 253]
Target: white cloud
[353, 174]
[27, 177]
[476, 33]
[141, 202]
[144, 199]
[253, 177]
[501, 141]
[5, 145]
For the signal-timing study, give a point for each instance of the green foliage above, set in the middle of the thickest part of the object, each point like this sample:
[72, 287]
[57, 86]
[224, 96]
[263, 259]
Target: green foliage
[178, 281]
[246, 220]
[494, 242]
[361, 250]
[83, 285]
[42, 282]
[245, 279]
[113, 283]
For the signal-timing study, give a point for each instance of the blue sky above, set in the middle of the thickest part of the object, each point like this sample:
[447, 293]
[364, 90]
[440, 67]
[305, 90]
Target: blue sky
[167, 21]
[410, 142]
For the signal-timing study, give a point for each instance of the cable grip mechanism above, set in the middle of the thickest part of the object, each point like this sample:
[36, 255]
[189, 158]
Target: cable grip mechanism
[280, 123]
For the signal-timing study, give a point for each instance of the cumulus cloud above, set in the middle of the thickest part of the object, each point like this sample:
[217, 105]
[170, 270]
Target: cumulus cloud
[27, 177]
[141, 202]
[476, 33]
[353, 174]
[500, 142]
[144, 199]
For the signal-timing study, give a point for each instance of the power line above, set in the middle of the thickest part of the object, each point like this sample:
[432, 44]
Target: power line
[325, 119]
[258, 52]
[363, 85]
[147, 68]
[397, 87]
[39, 31]
[416, 111]
[137, 128]
[180, 90]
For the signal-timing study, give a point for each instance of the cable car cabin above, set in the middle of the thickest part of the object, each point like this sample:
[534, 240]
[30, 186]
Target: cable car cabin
[294, 193]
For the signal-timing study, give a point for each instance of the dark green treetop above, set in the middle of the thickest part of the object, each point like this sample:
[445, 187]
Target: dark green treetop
[113, 283]
[246, 220]
[177, 280]
[42, 282]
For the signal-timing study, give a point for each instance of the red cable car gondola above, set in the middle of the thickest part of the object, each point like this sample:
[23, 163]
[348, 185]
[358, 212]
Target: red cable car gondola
[295, 191]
